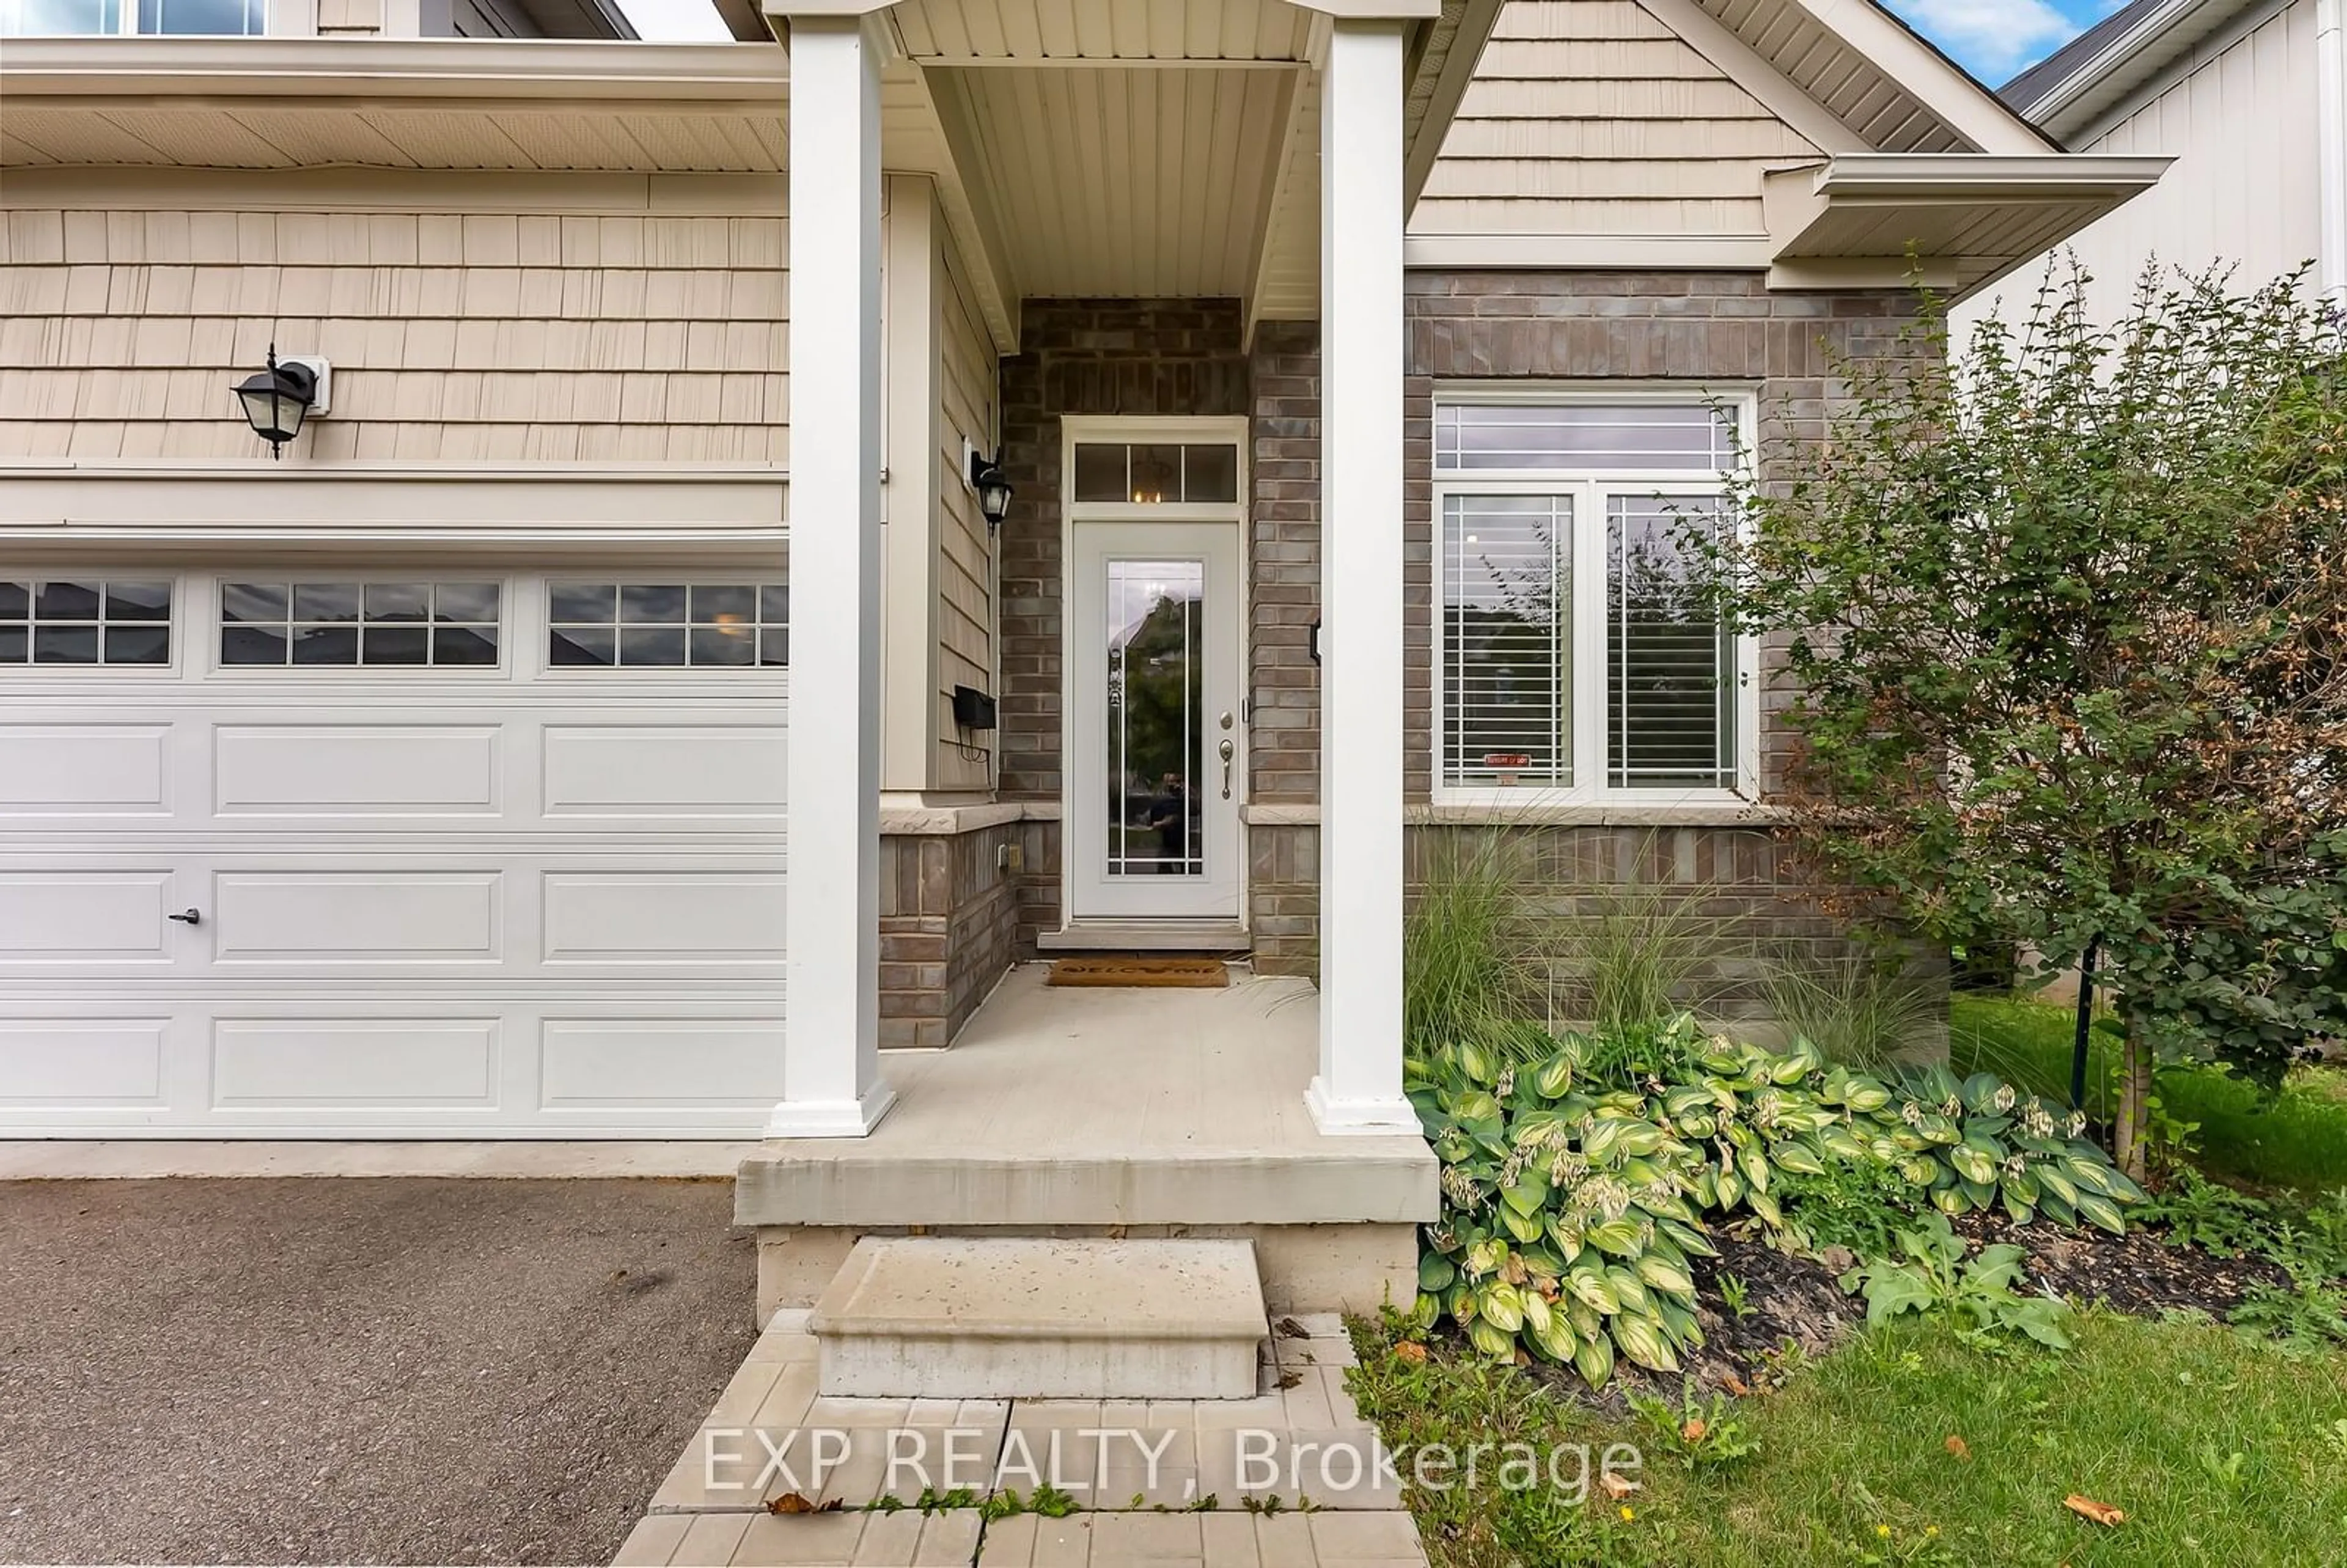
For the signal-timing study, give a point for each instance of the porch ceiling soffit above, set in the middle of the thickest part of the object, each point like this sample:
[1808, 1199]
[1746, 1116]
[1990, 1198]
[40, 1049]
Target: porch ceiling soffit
[374, 103]
[1051, 117]
[1853, 220]
[1865, 67]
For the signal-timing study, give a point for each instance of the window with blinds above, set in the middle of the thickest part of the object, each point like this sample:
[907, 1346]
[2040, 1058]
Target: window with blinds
[1670, 665]
[1507, 573]
[1577, 651]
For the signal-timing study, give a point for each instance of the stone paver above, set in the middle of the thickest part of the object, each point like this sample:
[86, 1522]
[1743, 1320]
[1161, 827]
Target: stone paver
[768, 1431]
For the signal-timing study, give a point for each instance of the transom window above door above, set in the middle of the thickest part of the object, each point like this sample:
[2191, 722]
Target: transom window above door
[368, 624]
[1577, 651]
[669, 625]
[86, 620]
[1153, 473]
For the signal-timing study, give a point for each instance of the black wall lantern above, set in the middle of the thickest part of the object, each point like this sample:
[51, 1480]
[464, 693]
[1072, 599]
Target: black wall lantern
[277, 399]
[993, 487]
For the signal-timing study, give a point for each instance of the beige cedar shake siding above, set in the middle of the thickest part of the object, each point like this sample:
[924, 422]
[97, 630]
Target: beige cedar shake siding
[585, 328]
[1591, 117]
[968, 405]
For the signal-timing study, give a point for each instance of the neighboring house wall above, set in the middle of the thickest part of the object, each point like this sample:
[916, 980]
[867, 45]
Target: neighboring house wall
[467, 318]
[2239, 120]
[1591, 117]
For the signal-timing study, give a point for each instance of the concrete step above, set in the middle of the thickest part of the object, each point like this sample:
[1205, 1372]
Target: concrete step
[1014, 1317]
[1145, 936]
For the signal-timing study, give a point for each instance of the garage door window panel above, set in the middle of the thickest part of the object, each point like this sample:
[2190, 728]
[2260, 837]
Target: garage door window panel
[361, 625]
[667, 626]
[84, 621]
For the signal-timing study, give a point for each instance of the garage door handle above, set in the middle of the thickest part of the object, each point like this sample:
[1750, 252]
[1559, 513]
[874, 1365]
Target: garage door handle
[188, 917]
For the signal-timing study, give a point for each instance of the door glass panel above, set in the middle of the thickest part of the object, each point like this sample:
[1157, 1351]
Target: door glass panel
[1157, 718]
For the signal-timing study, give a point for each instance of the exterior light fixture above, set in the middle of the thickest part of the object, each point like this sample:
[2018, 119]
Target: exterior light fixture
[277, 399]
[986, 477]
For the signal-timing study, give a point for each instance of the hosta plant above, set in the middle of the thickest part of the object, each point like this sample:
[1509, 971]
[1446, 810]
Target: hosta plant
[1573, 1204]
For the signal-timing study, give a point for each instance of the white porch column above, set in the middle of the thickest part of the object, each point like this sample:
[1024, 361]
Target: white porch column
[1358, 1088]
[831, 1058]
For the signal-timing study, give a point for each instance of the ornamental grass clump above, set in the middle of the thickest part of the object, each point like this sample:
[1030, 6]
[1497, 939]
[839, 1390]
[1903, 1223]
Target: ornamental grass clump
[1575, 1203]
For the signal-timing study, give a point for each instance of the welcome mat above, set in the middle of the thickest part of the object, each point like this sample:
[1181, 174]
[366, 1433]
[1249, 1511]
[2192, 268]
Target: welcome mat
[1204, 974]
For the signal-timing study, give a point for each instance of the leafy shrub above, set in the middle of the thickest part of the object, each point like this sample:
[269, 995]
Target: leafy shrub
[1573, 1204]
[1975, 1295]
[1860, 1205]
[2306, 1314]
[2215, 1218]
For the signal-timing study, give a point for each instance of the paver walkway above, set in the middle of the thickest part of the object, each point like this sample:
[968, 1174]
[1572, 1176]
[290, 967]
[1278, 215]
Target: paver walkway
[1288, 1478]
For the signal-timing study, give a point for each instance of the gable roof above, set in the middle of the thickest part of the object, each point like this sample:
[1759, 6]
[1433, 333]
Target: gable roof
[2114, 60]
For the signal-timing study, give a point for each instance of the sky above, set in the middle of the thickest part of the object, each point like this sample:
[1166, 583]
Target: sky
[1992, 39]
[1997, 39]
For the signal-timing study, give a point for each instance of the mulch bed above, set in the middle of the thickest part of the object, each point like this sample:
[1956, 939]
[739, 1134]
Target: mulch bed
[1798, 1301]
[2138, 1272]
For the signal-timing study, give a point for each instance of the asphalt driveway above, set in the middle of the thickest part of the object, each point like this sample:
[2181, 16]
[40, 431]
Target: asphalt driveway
[355, 1370]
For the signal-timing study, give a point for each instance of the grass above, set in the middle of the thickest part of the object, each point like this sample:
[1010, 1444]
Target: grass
[2295, 1140]
[1854, 1464]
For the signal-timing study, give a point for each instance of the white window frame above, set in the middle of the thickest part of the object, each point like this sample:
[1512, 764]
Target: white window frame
[214, 600]
[541, 587]
[30, 672]
[1589, 488]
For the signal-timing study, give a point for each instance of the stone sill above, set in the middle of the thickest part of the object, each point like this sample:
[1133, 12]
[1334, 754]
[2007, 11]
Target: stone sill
[948, 821]
[1496, 814]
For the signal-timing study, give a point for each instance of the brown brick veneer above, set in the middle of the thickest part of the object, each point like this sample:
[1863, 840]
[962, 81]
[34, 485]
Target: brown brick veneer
[948, 916]
[1141, 357]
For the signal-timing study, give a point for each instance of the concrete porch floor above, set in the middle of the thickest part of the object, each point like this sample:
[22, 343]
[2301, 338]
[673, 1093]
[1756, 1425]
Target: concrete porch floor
[1077, 1110]
[1084, 1106]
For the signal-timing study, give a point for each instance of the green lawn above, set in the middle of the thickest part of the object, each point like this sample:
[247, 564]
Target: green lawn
[2220, 1451]
[2296, 1139]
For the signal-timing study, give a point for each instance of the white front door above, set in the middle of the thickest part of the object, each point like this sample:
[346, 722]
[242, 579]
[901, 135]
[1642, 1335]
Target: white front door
[1156, 750]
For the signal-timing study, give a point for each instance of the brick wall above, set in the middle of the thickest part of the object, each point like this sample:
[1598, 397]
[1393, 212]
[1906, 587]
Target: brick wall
[1284, 565]
[1590, 326]
[948, 919]
[1140, 358]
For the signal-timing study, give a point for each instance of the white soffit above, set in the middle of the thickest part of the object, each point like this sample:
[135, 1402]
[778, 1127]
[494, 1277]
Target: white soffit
[1114, 182]
[1865, 68]
[374, 103]
[1011, 32]
[1972, 216]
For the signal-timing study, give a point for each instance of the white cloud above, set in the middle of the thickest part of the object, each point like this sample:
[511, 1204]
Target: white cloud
[676, 21]
[1994, 39]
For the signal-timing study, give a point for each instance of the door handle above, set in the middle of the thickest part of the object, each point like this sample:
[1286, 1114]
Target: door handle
[188, 917]
[1227, 748]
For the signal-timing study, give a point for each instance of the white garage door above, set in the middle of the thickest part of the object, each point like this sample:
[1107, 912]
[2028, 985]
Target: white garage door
[300, 853]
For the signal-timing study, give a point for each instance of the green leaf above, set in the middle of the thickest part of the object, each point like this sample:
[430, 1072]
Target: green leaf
[1435, 1272]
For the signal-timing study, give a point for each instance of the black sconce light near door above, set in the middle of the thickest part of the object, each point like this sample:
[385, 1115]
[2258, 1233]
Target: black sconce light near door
[993, 487]
[280, 397]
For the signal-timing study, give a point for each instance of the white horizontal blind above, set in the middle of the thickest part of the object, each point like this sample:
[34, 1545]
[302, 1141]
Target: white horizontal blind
[1670, 663]
[1507, 597]
[1582, 438]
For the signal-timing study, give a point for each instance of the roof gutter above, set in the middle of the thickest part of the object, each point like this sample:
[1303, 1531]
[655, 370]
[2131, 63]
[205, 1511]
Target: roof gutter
[2331, 99]
[2047, 109]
